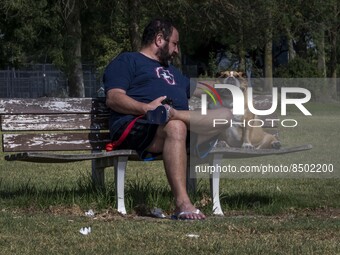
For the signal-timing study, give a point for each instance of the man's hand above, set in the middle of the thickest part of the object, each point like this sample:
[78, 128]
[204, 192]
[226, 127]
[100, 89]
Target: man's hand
[154, 104]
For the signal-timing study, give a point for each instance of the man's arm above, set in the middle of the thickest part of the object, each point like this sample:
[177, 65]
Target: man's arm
[117, 100]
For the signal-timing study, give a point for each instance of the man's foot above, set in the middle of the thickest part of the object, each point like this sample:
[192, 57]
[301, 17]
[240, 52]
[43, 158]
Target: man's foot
[160, 115]
[189, 215]
[186, 211]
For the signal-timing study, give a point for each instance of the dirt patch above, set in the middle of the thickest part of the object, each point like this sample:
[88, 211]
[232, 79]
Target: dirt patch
[112, 214]
[73, 210]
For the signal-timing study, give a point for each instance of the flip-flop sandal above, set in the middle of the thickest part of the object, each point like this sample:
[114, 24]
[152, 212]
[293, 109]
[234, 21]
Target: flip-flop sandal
[203, 149]
[159, 116]
[181, 215]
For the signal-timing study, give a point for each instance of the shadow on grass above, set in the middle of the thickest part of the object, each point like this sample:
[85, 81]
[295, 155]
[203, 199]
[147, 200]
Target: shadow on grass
[141, 195]
[259, 203]
[29, 194]
[138, 193]
[245, 200]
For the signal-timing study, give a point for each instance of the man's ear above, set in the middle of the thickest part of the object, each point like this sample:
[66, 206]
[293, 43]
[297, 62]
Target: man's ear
[158, 39]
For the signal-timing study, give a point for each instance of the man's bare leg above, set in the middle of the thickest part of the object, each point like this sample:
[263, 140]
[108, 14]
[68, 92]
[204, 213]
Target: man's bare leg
[203, 124]
[171, 139]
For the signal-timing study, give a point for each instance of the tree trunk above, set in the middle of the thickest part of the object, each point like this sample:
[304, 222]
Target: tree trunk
[268, 65]
[135, 40]
[241, 50]
[333, 64]
[333, 57]
[268, 59]
[291, 50]
[72, 52]
[268, 55]
[321, 51]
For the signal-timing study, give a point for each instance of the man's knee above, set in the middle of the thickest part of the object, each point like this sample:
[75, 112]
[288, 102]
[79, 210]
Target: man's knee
[176, 129]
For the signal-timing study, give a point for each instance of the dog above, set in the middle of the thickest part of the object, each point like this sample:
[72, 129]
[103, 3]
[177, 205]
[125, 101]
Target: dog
[239, 135]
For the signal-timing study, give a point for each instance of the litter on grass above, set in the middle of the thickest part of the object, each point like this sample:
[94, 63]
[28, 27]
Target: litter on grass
[192, 235]
[85, 231]
[89, 213]
[158, 213]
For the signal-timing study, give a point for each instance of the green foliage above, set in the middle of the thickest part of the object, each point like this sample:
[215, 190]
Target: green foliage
[35, 31]
[212, 65]
[109, 48]
[298, 68]
[28, 29]
[105, 32]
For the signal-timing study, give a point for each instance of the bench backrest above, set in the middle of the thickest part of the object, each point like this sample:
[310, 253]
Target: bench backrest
[54, 124]
[66, 124]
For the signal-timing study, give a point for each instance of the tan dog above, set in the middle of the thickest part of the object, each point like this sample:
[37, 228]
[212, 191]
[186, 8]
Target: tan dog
[245, 136]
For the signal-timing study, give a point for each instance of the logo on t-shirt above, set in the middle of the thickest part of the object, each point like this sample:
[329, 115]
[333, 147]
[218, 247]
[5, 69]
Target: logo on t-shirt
[166, 75]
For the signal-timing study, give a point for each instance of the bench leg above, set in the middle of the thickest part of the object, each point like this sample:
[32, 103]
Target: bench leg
[120, 167]
[215, 186]
[98, 174]
[191, 180]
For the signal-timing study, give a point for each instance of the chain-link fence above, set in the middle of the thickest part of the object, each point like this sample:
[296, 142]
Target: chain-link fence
[43, 80]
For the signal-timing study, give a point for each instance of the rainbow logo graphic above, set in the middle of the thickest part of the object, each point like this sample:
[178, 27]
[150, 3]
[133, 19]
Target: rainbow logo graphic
[211, 91]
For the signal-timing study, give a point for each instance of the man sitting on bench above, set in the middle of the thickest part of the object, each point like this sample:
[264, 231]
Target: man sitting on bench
[145, 89]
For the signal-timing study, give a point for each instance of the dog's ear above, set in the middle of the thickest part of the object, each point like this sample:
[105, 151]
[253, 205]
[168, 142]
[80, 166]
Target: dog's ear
[223, 74]
[240, 74]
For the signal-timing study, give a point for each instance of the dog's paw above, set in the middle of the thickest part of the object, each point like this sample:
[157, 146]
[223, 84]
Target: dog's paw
[276, 145]
[248, 146]
[221, 144]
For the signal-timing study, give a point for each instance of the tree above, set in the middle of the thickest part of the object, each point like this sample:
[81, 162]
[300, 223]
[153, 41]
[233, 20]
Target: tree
[333, 36]
[134, 33]
[322, 18]
[26, 31]
[94, 32]
[70, 12]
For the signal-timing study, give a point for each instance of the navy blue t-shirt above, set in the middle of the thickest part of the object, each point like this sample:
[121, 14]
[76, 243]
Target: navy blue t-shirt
[144, 80]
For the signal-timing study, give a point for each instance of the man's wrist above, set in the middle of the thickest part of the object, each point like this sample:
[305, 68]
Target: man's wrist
[145, 108]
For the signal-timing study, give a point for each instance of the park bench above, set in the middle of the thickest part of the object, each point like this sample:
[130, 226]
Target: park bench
[61, 130]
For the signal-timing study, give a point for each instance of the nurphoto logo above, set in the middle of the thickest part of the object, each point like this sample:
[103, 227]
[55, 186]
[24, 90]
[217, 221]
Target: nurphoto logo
[238, 99]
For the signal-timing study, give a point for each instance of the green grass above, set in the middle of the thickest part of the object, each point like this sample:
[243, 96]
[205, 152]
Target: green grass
[58, 234]
[42, 205]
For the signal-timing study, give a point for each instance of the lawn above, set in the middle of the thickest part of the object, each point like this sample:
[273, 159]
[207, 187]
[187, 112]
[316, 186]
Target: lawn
[42, 206]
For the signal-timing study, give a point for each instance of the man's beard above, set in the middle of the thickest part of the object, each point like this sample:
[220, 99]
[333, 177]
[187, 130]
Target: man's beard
[163, 55]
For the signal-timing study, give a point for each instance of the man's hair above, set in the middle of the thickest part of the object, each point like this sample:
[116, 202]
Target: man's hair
[155, 27]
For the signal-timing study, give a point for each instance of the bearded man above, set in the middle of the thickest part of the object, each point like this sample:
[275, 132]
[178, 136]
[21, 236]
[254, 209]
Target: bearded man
[144, 88]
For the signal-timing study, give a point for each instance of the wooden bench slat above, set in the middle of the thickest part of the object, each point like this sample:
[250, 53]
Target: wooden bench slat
[52, 105]
[54, 142]
[40, 157]
[52, 122]
[29, 122]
